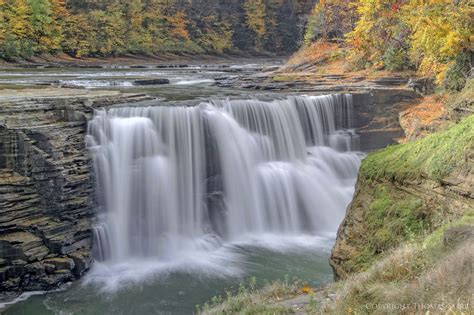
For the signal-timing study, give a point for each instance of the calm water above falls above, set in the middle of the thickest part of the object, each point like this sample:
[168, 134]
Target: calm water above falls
[195, 199]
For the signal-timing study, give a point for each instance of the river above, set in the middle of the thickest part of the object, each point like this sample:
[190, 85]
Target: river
[198, 197]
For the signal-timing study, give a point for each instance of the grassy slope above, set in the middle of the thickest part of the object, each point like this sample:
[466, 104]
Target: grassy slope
[426, 271]
[424, 275]
[434, 157]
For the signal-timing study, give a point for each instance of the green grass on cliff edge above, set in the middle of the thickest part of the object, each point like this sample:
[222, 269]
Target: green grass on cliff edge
[434, 157]
[393, 216]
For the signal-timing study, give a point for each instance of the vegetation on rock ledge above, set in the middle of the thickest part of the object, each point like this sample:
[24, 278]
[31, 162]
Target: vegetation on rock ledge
[435, 156]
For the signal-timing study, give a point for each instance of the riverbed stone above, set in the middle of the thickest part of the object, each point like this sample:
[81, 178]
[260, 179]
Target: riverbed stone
[151, 82]
[82, 262]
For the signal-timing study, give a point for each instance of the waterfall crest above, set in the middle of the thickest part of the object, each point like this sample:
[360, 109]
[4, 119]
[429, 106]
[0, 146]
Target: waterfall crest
[171, 178]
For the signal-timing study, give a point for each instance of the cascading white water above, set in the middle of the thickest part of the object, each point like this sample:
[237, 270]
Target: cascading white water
[174, 178]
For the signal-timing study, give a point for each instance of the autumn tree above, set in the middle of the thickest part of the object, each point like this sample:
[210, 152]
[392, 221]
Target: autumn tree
[380, 37]
[431, 36]
[3, 24]
[18, 30]
[255, 13]
[79, 36]
[441, 36]
[112, 27]
[331, 19]
[109, 29]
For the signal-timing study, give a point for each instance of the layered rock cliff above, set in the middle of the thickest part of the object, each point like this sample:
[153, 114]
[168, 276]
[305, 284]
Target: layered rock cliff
[406, 191]
[46, 185]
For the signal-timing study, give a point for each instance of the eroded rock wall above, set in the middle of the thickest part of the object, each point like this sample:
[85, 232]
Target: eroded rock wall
[376, 115]
[47, 188]
[405, 192]
[359, 241]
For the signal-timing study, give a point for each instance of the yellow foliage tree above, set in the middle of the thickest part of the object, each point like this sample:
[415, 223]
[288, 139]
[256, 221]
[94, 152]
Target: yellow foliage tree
[178, 24]
[430, 35]
[441, 30]
[3, 26]
[18, 18]
[255, 13]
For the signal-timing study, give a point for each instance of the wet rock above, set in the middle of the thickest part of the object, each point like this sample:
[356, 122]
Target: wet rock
[151, 82]
[21, 246]
[50, 268]
[249, 86]
[82, 262]
[37, 269]
[391, 81]
[222, 77]
[60, 263]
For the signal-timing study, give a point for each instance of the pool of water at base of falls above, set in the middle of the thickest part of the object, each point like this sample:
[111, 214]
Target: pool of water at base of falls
[153, 287]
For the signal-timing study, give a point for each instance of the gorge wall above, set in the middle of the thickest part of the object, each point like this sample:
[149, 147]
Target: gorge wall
[405, 192]
[46, 185]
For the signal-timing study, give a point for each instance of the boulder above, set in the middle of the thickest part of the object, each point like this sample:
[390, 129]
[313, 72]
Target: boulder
[82, 262]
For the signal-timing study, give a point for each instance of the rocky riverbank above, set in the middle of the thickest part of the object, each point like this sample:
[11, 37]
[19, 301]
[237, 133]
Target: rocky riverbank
[46, 183]
[139, 61]
[407, 191]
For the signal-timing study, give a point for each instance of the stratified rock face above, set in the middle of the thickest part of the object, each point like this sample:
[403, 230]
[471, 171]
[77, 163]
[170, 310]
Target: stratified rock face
[376, 115]
[46, 187]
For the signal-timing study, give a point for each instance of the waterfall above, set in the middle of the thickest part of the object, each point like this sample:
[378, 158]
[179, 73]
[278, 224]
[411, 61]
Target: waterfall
[172, 177]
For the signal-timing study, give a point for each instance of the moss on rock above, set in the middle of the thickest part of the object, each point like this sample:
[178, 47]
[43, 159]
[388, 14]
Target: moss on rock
[433, 157]
[405, 192]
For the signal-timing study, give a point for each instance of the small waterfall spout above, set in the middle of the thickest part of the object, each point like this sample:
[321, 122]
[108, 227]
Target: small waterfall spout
[179, 178]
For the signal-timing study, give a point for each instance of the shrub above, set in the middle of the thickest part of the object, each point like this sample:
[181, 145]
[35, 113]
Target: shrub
[396, 59]
[458, 73]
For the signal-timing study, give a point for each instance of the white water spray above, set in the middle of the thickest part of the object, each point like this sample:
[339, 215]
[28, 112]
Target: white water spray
[174, 179]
